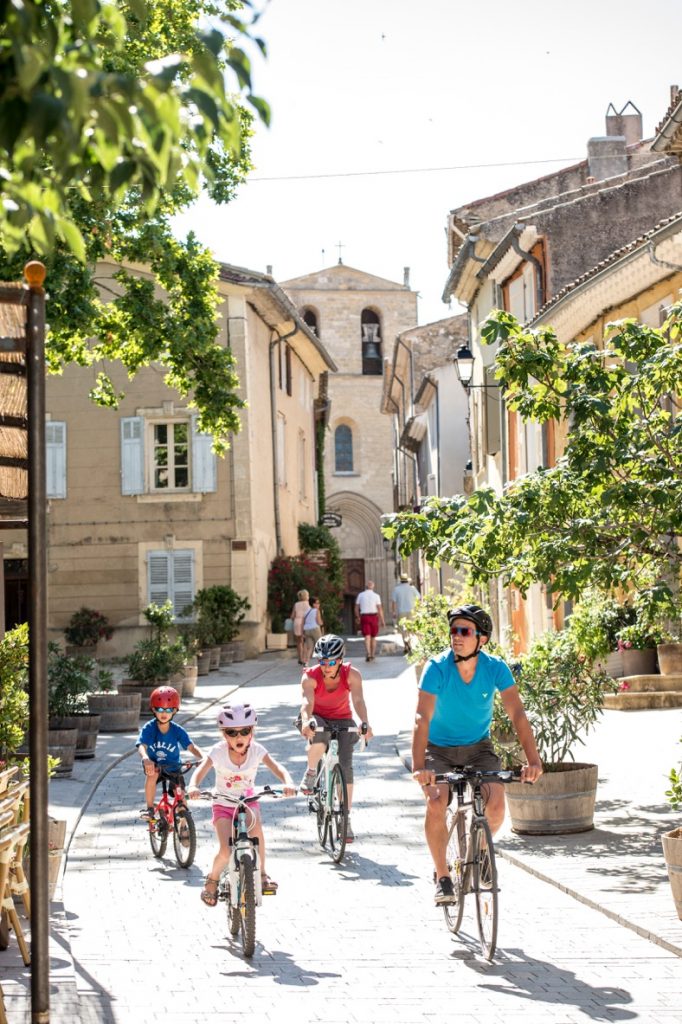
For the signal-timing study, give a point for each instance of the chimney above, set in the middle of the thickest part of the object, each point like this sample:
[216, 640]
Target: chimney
[406, 276]
[674, 94]
[268, 269]
[620, 123]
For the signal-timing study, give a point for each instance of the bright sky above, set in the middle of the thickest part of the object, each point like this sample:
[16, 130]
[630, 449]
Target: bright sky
[391, 85]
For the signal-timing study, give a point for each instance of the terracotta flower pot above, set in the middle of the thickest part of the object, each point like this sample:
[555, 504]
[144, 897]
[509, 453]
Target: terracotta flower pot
[669, 659]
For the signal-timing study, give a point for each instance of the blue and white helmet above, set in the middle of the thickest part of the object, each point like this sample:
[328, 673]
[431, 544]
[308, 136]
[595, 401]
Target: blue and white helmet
[236, 716]
[329, 646]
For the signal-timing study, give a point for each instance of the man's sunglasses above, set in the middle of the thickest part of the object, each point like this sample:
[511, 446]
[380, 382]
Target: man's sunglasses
[463, 631]
[330, 661]
[167, 710]
[238, 732]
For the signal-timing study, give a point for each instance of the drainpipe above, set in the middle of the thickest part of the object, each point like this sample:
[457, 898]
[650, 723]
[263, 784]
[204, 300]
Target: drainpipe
[273, 416]
[659, 262]
[529, 258]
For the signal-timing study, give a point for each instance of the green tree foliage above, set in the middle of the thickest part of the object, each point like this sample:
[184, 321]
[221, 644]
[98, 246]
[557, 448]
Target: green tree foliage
[113, 116]
[609, 514]
[288, 575]
[13, 695]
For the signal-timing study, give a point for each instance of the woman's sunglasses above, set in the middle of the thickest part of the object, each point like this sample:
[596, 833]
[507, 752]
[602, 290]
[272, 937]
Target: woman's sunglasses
[238, 732]
[463, 631]
[330, 661]
[167, 710]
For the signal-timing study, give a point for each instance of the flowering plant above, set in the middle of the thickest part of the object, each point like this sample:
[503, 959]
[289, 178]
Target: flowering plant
[86, 626]
[640, 636]
[674, 794]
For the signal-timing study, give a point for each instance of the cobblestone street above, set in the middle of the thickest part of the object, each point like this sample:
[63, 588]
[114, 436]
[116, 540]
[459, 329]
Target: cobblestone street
[358, 942]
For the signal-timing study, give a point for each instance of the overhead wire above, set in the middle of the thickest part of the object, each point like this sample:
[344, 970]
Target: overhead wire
[412, 170]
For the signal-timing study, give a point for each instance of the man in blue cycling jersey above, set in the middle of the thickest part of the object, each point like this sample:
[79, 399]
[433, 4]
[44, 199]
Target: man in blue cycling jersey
[452, 727]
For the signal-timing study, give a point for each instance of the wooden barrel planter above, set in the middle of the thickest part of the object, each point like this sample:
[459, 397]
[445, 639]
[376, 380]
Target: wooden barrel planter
[214, 664]
[203, 663]
[669, 659]
[672, 851]
[559, 803]
[190, 678]
[61, 743]
[239, 649]
[226, 654]
[119, 712]
[88, 726]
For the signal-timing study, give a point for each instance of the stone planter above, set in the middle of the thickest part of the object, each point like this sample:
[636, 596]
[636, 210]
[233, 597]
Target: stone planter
[669, 659]
[559, 803]
[639, 663]
[88, 726]
[203, 663]
[119, 712]
[275, 642]
[612, 664]
[226, 654]
[672, 851]
[215, 658]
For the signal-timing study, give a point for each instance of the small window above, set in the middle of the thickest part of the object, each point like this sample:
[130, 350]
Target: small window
[310, 318]
[170, 456]
[343, 449]
[55, 443]
[372, 361]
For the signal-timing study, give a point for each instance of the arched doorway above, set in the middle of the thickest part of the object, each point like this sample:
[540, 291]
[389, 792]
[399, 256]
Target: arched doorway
[362, 551]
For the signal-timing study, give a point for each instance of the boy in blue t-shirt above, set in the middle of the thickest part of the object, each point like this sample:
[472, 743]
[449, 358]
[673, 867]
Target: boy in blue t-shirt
[161, 741]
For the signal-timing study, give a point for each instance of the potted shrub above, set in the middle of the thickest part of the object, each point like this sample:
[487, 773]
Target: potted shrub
[637, 644]
[69, 682]
[672, 841]
[429, 629]
[221, 610]
[119, 712]
[594, 623]
[13, 695]
[562, 693]
[85, 628]
[156, 658]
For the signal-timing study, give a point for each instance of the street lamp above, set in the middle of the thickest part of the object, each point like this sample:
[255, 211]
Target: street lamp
[464, 365]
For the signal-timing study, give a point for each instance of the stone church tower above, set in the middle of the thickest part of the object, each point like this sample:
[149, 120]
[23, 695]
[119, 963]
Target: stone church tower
[357, 317]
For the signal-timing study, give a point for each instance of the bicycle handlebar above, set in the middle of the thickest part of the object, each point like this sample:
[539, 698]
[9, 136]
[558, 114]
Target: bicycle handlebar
[208, 794]
[469, 774]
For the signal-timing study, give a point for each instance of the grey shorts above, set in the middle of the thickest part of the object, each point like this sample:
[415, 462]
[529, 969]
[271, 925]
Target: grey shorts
[446, 759]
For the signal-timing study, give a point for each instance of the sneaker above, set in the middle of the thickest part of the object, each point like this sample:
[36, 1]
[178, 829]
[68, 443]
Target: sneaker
[307, 786]
[350, 834]
[444, 891]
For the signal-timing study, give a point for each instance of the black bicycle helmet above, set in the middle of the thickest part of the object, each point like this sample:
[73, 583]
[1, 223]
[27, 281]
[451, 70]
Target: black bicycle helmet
[329, 646]
[475, 614]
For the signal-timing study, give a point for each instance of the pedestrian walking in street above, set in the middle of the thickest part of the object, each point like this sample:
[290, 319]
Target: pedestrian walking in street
[369, 616]
[236, 759]
[298, 614]
[403, 600]
[313, 625]
[452, 728]
[329, 689]
[160, 742]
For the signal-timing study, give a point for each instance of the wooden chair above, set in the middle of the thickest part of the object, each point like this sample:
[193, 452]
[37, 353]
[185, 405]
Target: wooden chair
[12, 841]
[16, 798]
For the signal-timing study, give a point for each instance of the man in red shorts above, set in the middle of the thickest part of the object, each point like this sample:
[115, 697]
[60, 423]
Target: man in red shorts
[369, 615]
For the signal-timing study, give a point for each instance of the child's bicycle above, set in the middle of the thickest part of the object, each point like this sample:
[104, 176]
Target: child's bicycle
[471, 854]
[240, 885]
[172, 815]
[329, 799]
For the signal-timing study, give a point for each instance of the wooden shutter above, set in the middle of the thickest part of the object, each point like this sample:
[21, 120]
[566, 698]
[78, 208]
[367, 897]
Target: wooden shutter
[55, 443]
[132, 455]
[183, 580]
[204, 463]
[158, 575]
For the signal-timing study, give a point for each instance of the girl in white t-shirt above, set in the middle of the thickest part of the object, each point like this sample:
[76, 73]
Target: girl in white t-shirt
[235, 760]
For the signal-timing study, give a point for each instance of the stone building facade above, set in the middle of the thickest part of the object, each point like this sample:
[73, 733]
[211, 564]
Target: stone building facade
[357, 316]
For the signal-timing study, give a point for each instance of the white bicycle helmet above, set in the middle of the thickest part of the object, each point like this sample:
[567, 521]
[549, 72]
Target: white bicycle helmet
[329, 646]
[235, 716]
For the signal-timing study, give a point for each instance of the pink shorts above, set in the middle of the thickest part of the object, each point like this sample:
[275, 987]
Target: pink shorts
[221, 811]
[369, 624]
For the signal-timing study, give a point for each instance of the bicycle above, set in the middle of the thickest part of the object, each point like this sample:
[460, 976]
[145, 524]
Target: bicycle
[172, 815]
[471, 853]
[240, 883]
[329, 800]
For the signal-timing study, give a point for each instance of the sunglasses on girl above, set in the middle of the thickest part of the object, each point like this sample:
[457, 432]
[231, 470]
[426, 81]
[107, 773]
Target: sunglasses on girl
[330, 661]
[238, 732]
[167, 710]
[463, 631]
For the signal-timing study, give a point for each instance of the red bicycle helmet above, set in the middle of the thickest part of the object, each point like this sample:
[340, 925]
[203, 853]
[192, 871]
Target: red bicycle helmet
[164, 697]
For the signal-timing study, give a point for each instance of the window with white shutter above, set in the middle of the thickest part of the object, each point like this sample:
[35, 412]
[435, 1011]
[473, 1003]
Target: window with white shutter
[132, 455]
[55, 457]
[171, 578]
[204, 463]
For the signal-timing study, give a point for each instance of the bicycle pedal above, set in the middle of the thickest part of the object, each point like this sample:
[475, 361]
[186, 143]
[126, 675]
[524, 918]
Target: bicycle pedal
[269, 892]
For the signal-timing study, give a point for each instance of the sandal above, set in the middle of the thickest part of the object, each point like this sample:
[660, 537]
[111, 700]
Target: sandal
[210, 896]
[267, 885]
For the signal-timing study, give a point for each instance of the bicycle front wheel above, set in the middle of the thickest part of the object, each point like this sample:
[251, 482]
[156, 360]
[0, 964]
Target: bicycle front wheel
[234, 918]
[338, 822]
[158, 834]
[184, 837]
[321, 806]
[247, 905]
[457, 858]
[485, 886]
